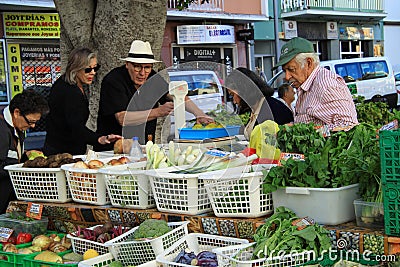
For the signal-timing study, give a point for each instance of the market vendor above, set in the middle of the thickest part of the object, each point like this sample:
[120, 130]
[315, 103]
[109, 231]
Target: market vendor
[251, 94]
[24, 111]
[322, 96]
[150, 99]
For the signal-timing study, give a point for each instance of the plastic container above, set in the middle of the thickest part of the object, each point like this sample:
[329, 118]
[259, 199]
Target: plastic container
[200, 134]
[136, 151]
[179, 193]
[195, 243]
[141, 251]
[80, 245]
[29, 261]
[237, 192]
[10, 259]
[35, 227]
[391, 203]
[241, 255]
[369, 214]
[129, 188]
[389, 144]
[99, 261]
[39, 184]
[329, 206]
[88, 185]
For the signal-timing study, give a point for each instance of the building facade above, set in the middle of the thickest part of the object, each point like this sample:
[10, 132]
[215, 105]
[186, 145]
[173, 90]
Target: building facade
[339, 29]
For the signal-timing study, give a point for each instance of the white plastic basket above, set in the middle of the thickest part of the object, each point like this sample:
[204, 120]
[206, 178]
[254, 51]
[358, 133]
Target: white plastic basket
[80, 245]
[241, 255]
[179, 193]
[105, 259]
[196, 243]
[141, 251]
[39, 184]
[129, 188]
[88, 185]
[238, 192]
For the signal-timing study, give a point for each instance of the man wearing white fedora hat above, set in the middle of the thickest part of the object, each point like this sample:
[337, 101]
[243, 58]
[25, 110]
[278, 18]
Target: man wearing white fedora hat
[150, 100]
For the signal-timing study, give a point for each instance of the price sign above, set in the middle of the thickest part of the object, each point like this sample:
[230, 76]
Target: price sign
[5, 234]
[34, 211]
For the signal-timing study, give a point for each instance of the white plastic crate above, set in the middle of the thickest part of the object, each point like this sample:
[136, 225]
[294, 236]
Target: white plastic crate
[241, 256]
[80, 245]
[99, 261]
[88, 185]
[238, 192]
[39, 184]
[179, 193]
[129, 188]
[196, 243]
[141, 251]
[105, 259]
[329, 206]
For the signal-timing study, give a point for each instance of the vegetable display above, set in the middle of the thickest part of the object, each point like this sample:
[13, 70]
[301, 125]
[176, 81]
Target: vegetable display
[101, 233]
[151, 228]
[204, 258]
[158, 157]
[342, 159]
[225, 118]
[281, 232]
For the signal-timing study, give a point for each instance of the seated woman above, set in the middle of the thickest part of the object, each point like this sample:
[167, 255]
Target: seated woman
[251, 93]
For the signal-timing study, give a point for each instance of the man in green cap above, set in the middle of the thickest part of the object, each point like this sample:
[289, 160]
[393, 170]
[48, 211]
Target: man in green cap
[322, 96]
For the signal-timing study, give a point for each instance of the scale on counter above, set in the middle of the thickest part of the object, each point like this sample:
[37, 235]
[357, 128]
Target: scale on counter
[178, 90]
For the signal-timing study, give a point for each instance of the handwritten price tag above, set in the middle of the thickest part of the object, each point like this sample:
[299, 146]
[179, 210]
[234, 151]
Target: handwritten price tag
[5, 234]
[34, 211]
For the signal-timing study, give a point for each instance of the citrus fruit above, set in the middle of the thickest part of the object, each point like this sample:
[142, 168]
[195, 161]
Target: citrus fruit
[90, 253]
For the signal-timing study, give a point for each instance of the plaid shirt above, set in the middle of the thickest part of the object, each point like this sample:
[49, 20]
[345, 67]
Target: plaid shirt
[325, 99]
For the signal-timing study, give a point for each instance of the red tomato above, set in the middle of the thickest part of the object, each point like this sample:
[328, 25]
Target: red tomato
[23, 238]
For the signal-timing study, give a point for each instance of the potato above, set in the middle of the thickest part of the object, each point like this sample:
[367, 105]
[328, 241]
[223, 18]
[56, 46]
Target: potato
[122, 146]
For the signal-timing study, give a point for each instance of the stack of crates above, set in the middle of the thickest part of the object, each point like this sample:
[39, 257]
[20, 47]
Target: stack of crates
[389, 142]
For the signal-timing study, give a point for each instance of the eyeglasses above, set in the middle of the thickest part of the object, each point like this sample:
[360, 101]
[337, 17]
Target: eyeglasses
[139, 68]
[89, 70]
[28, 121]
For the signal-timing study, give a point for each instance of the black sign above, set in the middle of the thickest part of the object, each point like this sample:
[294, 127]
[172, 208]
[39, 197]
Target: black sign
[202, 54]
[245, 35]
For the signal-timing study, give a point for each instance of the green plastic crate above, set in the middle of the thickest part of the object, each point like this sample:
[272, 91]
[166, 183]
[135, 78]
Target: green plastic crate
[29, 261]
[391, 205]
[9, 259]
[389, 143]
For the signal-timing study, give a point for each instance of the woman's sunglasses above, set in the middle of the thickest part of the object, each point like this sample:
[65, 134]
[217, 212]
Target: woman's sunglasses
[89, 70]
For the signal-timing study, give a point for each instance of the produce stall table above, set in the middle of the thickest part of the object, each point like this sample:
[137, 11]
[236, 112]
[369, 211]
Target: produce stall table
[64, 217]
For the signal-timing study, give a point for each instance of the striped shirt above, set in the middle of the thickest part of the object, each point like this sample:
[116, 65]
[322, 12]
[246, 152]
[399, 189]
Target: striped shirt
[325, 99]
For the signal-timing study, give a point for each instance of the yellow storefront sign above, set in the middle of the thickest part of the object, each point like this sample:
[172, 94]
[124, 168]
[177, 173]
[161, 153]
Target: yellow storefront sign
[14, 63]
[31, 25]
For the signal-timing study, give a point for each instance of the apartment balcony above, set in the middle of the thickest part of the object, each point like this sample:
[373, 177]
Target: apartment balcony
[363, 10]
[233, 11]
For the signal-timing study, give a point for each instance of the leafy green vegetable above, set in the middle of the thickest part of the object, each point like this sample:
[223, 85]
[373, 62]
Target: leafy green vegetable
[279, 234]
[151, 228]
[342, 159]
[222, 116]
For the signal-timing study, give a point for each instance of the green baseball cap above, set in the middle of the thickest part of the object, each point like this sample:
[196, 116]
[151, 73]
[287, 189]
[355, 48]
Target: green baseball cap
[295, 46]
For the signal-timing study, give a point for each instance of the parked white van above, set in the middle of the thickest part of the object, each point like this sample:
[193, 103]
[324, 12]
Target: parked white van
[371, 77]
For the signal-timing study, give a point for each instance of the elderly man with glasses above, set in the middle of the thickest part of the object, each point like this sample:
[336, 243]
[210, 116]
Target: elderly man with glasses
[127, 103]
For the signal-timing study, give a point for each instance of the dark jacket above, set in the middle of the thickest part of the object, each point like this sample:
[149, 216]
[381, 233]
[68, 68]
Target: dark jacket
[118, 93]
[66, 121]
[8, 156]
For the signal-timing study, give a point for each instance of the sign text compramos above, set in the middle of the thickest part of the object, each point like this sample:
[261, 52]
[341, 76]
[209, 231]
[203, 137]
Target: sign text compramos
[28, 25]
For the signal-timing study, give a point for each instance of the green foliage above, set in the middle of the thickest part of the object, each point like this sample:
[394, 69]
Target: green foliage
[151, 228]
[342, 159]
[222, 116]
[183, 4]
[279, 233]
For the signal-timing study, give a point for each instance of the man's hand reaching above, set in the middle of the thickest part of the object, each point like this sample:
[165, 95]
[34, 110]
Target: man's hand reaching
[165, 109]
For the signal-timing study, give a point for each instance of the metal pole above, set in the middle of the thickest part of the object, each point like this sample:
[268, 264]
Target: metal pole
[276, 30]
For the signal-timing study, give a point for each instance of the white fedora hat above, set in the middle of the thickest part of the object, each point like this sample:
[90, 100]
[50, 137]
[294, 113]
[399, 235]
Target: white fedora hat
[140, 52]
